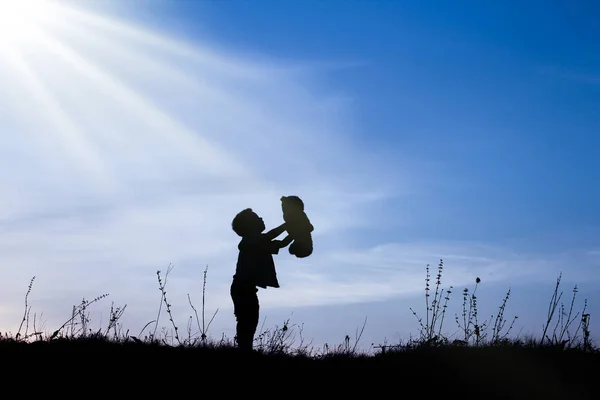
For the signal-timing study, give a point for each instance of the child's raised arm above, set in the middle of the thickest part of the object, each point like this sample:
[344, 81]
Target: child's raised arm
[273, 233]
[286, 240]
[275, 245]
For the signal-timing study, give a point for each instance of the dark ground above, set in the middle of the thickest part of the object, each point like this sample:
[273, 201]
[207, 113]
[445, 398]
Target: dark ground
[442, 372]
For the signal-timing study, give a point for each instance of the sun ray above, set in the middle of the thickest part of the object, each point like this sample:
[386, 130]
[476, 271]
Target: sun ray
[200, 85]
[71, 138]
[202, 55]
[17, 17]
[128, 55]
[200, 152]
[217, 82]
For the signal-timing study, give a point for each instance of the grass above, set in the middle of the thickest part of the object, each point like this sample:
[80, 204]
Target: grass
[481, 356]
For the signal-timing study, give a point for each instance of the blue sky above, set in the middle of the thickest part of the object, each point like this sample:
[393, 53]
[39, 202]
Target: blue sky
[414, 131]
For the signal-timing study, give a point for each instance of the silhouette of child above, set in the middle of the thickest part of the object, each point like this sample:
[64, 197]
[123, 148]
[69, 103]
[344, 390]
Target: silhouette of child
[255, 267]
[298, 226]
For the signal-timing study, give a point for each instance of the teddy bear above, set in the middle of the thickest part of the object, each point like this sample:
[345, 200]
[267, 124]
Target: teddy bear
[298, 226]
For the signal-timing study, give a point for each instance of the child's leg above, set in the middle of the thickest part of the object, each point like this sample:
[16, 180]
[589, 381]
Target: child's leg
[246, 310]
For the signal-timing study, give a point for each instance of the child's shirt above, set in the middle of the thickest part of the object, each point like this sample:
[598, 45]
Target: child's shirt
[255, 263]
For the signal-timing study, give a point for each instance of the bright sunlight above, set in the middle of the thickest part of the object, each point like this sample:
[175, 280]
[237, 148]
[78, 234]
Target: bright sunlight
[18, 16]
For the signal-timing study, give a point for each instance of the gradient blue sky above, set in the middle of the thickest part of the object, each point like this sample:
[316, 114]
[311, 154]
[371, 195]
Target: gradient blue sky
[414, 130]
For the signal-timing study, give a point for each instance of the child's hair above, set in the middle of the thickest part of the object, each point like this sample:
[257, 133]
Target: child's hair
[244, 222]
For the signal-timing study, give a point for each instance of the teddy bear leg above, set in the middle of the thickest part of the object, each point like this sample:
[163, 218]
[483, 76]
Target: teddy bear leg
[293, 247]
[303, 248]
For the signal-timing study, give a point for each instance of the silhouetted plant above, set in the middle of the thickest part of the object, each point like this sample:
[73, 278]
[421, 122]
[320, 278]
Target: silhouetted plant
[585, 323]
[276, 341]
[25, 319]
[470, 326]
[431, 328]
[346, 348]
[204, 328]
[162, 285]
[561, 335]
[498, 337]
[281, 340]
[78, 311]
[113, 323]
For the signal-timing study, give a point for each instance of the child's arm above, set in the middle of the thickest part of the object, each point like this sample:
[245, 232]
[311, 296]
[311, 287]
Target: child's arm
[287, 240]
[280, 244]
[273, 233]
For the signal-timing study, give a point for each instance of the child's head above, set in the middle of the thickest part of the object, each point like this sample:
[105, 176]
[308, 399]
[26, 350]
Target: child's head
[247, 222]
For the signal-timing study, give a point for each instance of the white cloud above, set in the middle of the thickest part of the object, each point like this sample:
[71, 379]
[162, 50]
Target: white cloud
[391, 270]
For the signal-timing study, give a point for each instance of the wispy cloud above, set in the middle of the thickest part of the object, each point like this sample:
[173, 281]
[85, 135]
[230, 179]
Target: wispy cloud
[398, 269]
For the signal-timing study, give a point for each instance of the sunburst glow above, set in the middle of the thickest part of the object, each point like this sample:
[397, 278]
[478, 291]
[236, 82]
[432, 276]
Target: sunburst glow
[18, 17]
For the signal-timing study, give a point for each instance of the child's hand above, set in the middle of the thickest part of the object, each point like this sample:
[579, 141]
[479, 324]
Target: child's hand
[282, 243]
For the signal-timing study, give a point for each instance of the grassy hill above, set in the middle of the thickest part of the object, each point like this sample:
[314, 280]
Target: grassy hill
[486, 362]
[509, 371]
